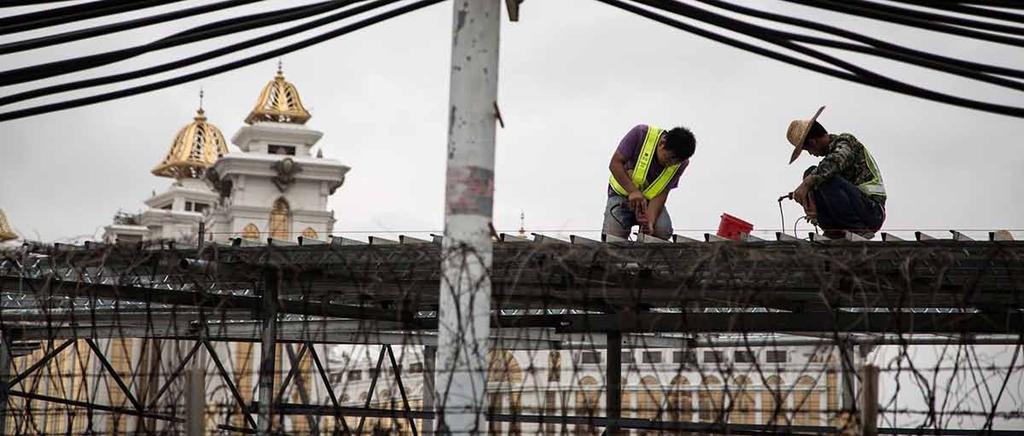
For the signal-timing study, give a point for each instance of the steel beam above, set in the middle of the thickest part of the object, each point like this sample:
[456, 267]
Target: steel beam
[401, 389]
[429, 365]
[268, 351]
[41, 362]
[226, 378]
[330, 388]
[370, 391]
[847, 322]
[5, 375]
[613, 397]
[174, 375]
[113, 374]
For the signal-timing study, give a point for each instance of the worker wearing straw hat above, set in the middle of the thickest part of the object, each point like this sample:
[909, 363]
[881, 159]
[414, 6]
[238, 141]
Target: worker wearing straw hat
[844, 192]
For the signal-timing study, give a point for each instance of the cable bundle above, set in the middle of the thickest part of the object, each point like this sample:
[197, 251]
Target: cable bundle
[659, 10]
[985, 21]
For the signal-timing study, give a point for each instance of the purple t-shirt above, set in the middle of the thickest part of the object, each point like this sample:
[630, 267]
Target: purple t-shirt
[629, 148]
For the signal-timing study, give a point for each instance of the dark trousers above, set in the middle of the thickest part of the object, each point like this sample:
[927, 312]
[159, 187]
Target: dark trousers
[843, 206]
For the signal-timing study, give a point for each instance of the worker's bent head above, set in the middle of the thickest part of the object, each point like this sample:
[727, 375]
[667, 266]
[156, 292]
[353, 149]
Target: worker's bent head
[677, 145]
[817, 140]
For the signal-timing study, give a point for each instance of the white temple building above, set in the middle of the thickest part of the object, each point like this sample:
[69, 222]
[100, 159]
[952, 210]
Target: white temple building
[273, 187]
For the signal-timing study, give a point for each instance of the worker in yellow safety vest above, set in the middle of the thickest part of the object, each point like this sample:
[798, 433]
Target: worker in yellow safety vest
[844, 192]
[645, 167]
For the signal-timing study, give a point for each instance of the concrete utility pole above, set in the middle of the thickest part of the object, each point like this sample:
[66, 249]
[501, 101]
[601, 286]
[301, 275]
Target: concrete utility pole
[465, 294]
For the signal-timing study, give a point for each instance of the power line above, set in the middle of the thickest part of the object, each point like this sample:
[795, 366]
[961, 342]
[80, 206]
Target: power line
[864, 9]
[107, 29]
[954, 6]
[847, 70]
[67, 104]
[929, 16]
[207, 31]
[885, 53]
[68, 14]
[830, 65]
[906, 52]
[185, 62]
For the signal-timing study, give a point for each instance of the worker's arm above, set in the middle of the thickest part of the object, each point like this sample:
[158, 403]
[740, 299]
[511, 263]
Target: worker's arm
[617, 166]
[654, 208]
[840, 158]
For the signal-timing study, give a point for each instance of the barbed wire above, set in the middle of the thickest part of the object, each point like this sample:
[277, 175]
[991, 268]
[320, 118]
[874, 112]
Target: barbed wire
[714, 336]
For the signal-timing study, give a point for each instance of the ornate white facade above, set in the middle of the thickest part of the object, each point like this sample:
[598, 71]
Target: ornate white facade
[274, 187]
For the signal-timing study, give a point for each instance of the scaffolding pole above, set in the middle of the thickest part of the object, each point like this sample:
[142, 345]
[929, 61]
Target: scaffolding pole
[465, 289]
[429, 356]
[5, 379]
[613, 399]
[268, 353]
[195, 400]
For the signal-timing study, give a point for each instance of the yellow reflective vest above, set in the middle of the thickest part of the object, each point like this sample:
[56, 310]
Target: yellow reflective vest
[643, 163]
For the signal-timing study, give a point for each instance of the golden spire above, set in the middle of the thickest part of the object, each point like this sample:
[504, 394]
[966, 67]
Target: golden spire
[279, 101]
[196, 147]
[6, 233]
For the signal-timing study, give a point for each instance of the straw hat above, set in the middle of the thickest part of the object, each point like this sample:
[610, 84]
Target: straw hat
[797, 133]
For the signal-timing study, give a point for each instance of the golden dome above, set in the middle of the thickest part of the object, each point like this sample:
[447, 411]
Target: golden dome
[196, 147]
[6, 233]
[279, 101]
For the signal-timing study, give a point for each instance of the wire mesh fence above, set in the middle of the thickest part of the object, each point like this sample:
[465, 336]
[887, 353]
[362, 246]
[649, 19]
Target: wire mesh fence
[335, 337]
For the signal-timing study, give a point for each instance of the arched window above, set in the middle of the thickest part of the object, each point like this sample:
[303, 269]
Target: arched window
[504, 377]
[680, 401]
[648, 402]
[309, 233]
[744, 409]
[280, 217]
[626, 405]
[831, 395]
[774, 402]
[710, 399]
[807, 402]
[251, 232]
[587, 403]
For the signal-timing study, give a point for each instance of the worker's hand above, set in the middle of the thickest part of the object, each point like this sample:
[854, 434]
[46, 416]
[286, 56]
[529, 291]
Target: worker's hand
[644, 222]
[638, 202]
[801, 192]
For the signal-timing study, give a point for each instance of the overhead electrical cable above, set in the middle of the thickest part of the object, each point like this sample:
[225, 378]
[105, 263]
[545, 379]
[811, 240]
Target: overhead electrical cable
[206, 31]
[191, 60]
[880, 48]
[76, 35]
[851, 7]
[843, 33]
[19, 3]
[955, 6]
[852, 72]
[864, 75]
[69, 14]
[270, 54]
[1003, 4]
[939, 18]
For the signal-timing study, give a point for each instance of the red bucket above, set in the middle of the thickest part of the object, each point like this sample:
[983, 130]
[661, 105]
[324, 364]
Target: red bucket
[731, 227]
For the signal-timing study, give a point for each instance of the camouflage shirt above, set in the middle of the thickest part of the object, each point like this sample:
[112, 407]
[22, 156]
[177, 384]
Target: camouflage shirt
[846, 158]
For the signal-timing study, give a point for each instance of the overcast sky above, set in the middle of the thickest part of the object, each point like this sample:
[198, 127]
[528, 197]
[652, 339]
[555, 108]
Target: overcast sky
[575, 76]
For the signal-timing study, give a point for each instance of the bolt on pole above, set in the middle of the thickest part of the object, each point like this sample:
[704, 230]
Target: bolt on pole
[465, 290]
